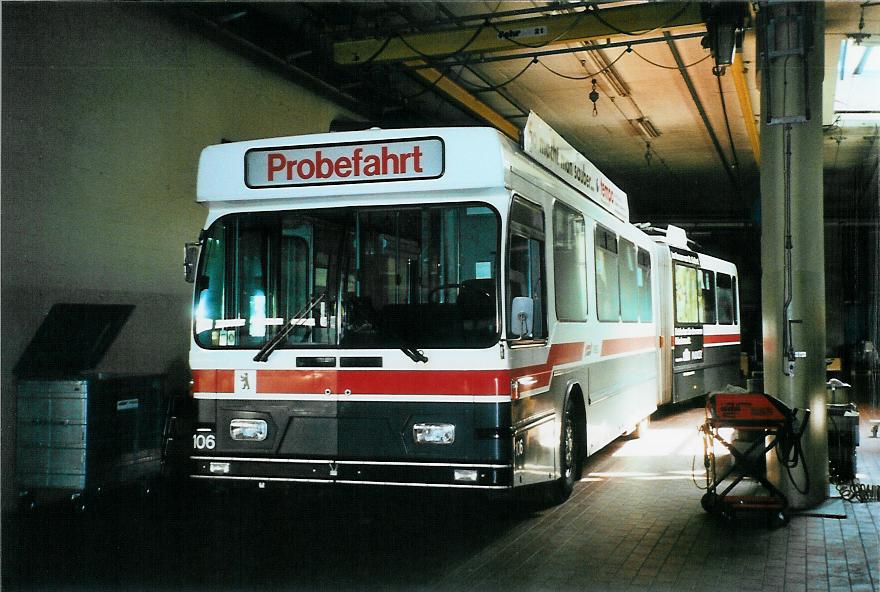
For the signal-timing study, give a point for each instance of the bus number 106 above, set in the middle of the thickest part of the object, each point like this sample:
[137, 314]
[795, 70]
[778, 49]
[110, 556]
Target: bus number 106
[201, 441]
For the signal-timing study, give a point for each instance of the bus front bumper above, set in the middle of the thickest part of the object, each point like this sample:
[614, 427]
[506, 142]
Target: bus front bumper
[352, 472]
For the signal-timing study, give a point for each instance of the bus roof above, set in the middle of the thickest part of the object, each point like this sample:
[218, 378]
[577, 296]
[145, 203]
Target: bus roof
[377, 161]
[354, 163]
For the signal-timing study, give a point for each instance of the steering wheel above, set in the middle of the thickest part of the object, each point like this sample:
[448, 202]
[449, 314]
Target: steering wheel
[459, 287]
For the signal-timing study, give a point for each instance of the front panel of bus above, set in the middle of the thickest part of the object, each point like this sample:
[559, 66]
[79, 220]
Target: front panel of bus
[354, 344]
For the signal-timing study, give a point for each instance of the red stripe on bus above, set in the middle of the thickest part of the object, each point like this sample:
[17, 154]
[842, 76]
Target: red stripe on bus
[395, 382]
[622, 345]
[731, 338]
[295, 381]
[385, 382]
[213, 381]
[427, 382]
[360, 382]
[538, 376]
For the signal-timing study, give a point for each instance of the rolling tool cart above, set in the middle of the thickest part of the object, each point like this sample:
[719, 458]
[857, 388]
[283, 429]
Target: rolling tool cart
[80, 432]
[766, 424]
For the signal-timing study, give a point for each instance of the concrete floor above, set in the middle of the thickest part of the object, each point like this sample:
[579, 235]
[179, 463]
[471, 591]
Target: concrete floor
[633, 523]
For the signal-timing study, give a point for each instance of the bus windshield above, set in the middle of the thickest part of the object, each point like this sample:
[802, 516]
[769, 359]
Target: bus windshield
[401, 277]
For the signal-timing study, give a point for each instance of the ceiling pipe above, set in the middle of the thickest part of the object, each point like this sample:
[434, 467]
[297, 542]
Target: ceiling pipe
[440, 81]
[560, 29]
[559, 51]
[461, 20]
[523, 112]
[682, 69]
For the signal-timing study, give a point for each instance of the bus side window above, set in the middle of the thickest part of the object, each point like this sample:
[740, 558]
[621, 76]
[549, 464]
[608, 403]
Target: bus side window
[643, 280]
[726, 299]
[209, 299]
[688, 307]
[629, 296]
[569, 264]
[607, 286]
[735, 298]
[526, 261]
[707, 281]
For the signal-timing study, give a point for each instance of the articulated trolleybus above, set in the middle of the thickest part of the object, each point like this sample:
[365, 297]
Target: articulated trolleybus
[431, 307]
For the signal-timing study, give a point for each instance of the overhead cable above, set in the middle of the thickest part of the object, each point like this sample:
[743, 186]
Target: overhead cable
[701, 60]
[586, 76]
[596, 13]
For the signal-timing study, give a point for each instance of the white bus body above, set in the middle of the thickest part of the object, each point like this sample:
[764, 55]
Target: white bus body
[394, 260]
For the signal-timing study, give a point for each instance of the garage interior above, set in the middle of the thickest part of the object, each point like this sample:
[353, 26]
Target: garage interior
[106, 107]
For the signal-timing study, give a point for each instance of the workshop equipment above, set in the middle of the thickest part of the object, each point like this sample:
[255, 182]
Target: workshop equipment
[766, 424]
[81, 432]
[843, 438]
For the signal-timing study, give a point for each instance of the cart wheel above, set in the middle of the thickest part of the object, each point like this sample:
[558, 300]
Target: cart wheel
[709, 502]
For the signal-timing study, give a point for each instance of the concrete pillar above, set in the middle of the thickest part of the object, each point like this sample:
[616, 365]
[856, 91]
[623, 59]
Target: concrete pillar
[804, 386]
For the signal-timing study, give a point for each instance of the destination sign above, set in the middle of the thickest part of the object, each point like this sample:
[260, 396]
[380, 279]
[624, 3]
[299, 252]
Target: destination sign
[328, 164]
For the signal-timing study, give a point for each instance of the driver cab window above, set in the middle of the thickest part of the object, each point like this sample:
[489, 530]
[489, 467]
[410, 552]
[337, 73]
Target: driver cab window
[526, 275]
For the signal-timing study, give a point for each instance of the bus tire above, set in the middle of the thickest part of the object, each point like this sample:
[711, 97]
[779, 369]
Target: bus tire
[569, 456]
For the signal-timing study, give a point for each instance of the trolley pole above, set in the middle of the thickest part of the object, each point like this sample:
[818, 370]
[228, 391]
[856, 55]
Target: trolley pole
[792, 64]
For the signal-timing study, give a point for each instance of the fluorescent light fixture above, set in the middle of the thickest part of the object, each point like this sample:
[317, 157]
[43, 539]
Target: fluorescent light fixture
[647, 129]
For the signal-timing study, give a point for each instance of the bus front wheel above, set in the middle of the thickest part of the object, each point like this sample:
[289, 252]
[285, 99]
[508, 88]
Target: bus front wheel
[569, 457]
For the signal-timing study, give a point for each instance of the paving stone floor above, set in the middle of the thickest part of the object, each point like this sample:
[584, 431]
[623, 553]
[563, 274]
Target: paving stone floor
[633, 523]
[636, 524]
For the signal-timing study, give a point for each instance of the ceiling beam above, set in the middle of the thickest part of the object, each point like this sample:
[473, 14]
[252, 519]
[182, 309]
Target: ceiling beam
[699, 105]
[465, 99]
[745, 105]
[541, 32]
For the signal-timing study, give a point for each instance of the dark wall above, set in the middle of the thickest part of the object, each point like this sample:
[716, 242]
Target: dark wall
[105, 109]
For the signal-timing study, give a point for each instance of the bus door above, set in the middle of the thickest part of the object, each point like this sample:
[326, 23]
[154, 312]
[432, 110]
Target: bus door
[535, 437]
[687, 351]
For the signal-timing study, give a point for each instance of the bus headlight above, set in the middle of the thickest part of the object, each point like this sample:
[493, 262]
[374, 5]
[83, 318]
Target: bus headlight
[251, 430]
[434, 433]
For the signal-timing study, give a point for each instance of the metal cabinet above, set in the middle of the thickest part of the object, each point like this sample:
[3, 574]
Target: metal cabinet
[78, 432]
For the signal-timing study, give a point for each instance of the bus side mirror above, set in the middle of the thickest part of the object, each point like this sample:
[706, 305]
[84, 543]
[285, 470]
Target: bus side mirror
[190, 258]
[522, 312]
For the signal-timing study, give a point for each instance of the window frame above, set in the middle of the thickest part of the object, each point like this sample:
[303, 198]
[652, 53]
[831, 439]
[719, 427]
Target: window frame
[712, 299]
[529, 232]
[230, 251]
[733, 296]
[698, 291]
[606, 233]
[644, 254]
[561, 207]
[635, 282]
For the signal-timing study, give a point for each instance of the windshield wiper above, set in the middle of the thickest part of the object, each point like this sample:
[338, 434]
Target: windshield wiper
[295, 320]
[416, 355]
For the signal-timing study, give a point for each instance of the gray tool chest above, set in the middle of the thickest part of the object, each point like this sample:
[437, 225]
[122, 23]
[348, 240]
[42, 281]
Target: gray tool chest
[79, 432]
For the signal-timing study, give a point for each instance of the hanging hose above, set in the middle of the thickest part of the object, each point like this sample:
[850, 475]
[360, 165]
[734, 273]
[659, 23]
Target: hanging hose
[787, 290]
[789, 450]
